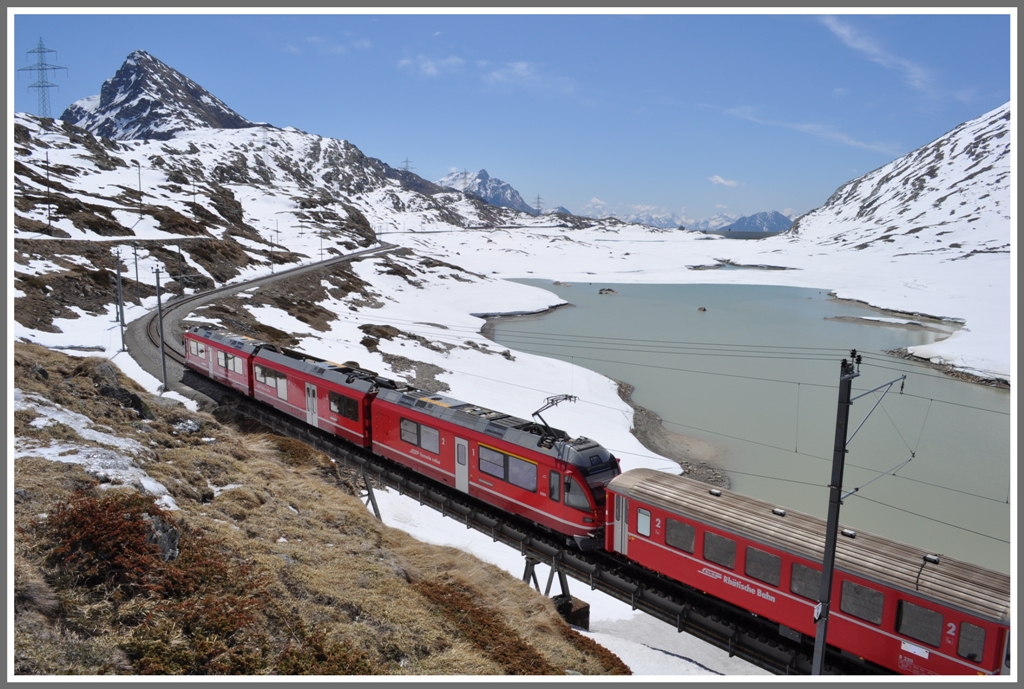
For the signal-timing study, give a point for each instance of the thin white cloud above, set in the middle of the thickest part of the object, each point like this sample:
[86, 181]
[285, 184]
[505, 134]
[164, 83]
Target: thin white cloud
[512, 71]
[432, 67]
[822, 131]
[525, 74]
[718, 179]
[839, 92]
[721, 206]
[917, 76]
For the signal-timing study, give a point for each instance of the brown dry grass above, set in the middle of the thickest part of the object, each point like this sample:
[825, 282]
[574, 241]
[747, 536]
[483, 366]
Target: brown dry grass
[337, 593]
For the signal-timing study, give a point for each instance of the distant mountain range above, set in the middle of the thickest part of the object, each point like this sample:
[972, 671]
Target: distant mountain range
[961, 178]
[772, 221]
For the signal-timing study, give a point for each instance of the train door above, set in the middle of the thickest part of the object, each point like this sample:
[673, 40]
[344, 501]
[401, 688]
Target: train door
[210, 357]
[621, 523]
[311, 405]
[461, 465]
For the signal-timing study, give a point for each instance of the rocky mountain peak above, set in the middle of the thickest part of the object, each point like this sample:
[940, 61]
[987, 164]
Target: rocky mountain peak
[490, 189]
[146, 99]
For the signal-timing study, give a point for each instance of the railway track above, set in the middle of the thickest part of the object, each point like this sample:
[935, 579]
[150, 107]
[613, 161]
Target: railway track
[742, 634]
[172, 342]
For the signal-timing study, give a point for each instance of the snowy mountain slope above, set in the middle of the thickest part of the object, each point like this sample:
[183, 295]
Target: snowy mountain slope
[146, 99]
[948, 199]
[490, 189]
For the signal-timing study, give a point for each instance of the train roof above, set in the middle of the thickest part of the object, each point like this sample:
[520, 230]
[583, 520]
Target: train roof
[511, 429]
[228, 339]
[348, 376]
[951, 582]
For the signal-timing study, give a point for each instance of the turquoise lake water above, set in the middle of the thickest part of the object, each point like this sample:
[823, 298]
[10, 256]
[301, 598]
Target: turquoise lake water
[756, 373]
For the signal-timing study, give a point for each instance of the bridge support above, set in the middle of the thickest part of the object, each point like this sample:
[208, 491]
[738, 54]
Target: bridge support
[571, 609]
[370, 498]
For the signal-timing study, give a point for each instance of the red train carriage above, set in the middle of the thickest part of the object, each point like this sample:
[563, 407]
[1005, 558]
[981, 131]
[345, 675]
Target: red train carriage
[892, 604]
[519, 466]
[223, 356]
[329, 396]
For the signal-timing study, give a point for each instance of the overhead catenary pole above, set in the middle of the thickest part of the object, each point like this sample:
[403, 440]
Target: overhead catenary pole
[139, 165]
[160, 324]
[48, 222]
[120, 302]
[138, 288]
[847, 372]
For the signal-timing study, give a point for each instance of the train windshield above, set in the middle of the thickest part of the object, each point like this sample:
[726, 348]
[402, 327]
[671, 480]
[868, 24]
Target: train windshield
[596, 464]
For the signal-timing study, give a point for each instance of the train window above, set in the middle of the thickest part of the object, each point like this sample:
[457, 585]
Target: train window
[575, 496]
[522, 473]
[555, 486]
[805, 581]
[197, 348]
[679, 535]
[492, 462]
[282, 385]
[720, 550]
[643, 522]
[260, 374]
[237, 365]
[919, 623]
[417, 434]
[410, 432]
[430, 439]
[972, 642]
[862, 602]
[221, 360]
[763, 566]
[346, 406]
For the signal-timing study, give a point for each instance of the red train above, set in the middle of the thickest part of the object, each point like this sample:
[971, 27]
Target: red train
[893, 605]
[520, 466]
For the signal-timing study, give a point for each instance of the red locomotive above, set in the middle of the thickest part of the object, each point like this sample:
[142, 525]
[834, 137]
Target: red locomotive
[898, 607]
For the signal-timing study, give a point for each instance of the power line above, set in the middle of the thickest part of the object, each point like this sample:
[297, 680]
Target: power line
[932, 519]
[823, 356]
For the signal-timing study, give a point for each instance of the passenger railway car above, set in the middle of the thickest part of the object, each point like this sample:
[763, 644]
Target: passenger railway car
[329, 396]
[222, 356]
[894, 605]
[523, 467]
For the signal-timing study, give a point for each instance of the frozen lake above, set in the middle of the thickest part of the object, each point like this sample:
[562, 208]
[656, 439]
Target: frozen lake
[756, 372]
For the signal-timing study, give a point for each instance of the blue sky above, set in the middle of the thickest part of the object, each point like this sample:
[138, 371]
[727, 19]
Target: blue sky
[683, 113]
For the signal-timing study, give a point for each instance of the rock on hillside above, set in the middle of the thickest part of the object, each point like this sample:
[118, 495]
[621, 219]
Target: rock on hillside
[146, 99]
[958, 182]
